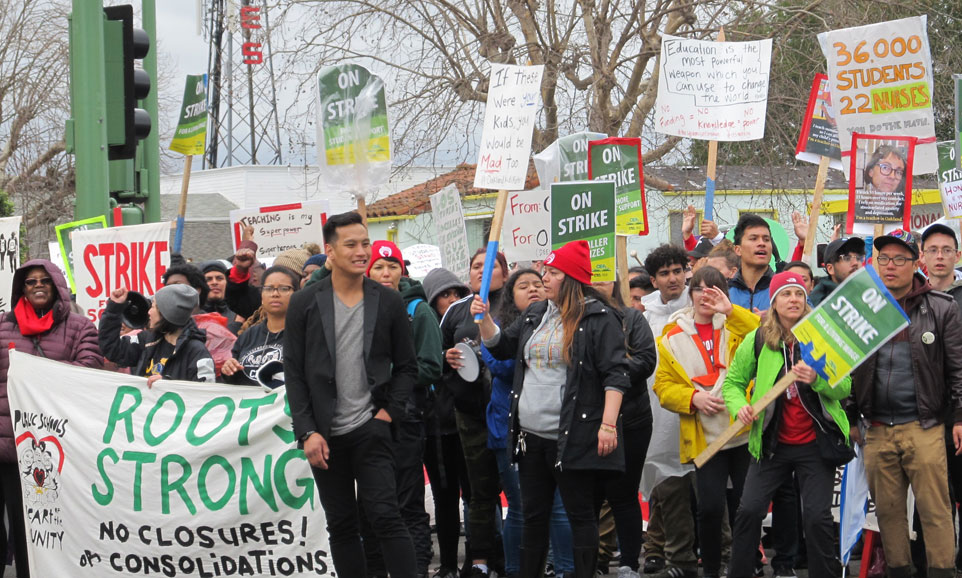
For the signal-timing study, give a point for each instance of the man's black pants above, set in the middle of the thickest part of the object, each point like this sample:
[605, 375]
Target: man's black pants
[364, 456]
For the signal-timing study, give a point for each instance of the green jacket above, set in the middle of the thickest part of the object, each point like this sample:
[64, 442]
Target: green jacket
[427, 333]
[770, 366]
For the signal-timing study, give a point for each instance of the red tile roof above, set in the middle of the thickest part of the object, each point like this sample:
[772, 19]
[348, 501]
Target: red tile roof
[416, 200]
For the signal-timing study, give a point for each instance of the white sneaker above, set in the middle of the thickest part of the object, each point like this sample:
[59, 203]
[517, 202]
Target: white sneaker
[627, 572]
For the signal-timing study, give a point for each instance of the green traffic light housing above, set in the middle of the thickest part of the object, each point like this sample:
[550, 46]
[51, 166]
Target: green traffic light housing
[125, 83]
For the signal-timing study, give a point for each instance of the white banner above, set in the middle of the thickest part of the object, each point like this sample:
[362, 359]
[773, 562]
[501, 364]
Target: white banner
[713, 90]
[422, 258]
[184, 479]
[452, 236]
[514, 95]
[134, 257]
[281, 227]
[881, 81]
[525, 234]
[9, 258]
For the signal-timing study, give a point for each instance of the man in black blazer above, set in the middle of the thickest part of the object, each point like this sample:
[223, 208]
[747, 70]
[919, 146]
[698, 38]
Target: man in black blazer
[349, 367]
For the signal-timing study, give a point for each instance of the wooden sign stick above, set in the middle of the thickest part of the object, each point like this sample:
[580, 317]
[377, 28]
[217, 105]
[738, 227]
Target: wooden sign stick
[182, 208]
[362, 208]
[621, 255]
[766, 400]
[816, 207]
[709, 214]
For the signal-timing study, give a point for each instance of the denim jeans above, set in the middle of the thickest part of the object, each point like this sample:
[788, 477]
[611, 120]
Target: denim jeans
[511, 531]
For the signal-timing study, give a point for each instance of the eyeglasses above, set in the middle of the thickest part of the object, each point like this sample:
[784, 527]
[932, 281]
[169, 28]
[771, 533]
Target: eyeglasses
[886, 169]
[33, 282]
[850, 257]
[698, 289]
[933, 251]
[899, 260]
[280, 290]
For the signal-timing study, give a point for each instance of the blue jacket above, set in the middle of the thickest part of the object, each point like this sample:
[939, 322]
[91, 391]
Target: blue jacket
[741, 295]
[502, 377]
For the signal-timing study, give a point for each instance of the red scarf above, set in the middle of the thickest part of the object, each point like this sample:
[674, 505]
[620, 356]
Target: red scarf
[29, 322]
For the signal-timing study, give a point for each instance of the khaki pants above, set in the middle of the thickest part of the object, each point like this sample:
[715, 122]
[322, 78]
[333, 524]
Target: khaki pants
[671, 525]
[899, 456]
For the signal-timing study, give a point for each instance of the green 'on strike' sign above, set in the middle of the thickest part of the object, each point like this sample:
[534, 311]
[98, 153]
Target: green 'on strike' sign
[585, 210]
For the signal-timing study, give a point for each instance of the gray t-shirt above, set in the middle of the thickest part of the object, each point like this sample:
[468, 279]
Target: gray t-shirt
[354, 407]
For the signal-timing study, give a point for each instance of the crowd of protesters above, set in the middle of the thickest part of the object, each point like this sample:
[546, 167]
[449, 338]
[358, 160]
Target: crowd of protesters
[558, 394]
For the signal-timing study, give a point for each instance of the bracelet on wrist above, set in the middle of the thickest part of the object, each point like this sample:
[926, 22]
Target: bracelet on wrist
[608, 425]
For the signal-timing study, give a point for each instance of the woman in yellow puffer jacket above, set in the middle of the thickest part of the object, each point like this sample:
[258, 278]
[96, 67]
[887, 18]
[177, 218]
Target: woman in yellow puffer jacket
[693, 358]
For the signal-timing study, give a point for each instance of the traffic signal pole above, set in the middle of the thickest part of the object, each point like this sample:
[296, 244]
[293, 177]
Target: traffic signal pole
[88, 131]
[151, 144]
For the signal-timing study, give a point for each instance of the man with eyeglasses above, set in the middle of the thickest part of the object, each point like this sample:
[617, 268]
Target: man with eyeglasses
[940, 253]
[903, 394]
[842, 258]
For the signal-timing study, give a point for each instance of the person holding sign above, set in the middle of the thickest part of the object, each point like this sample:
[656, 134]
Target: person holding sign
[570, 374]
[172, 347]
[693, 357]
[904, 393]
[785, 439]
[42, 324]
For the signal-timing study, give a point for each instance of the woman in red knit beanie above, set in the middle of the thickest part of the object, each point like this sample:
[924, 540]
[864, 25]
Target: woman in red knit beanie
[570, 374]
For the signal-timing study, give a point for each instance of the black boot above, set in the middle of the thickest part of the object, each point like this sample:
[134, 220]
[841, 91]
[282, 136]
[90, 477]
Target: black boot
[586, 562]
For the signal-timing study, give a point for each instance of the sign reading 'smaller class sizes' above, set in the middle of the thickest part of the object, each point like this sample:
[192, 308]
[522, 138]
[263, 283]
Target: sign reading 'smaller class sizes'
[713, 90]
[585, 210]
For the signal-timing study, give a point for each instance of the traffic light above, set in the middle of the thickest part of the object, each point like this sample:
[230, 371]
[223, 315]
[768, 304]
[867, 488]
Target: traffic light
[124, 83]
[113, 106]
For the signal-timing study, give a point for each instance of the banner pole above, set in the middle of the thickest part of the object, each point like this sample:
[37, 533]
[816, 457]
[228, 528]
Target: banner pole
[182, 209]
[816, 207]
[709, 214]
[362, 208]
[770, 396]
[490, 258]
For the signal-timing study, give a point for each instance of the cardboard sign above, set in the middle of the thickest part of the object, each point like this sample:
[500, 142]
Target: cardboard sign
[56, 258]
[191, 134]
[619, 160]
[281, 227]
[527, 224]
[881, 81]
[9, 258]
[880, 185]
[64, 239]
[134, 257]
[450, 231]
[957, 84]
[713, 90]
[950, 179]
[514, 96]
[819, 136]
[188, 479]
[850, 325]
[422, 259]
[352, 130]
[585, 210]
[566, 159]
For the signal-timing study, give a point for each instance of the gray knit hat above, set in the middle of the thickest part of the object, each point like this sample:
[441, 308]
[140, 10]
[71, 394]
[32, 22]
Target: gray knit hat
[176, 303]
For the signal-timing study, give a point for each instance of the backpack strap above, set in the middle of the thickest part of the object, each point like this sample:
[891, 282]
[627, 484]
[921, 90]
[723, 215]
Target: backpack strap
[413, 305]
[759, 343]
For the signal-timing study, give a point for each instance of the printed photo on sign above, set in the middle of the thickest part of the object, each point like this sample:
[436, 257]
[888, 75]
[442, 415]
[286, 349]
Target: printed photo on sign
[880, 186]
[819, 136]
[9, 258]
[880, 76]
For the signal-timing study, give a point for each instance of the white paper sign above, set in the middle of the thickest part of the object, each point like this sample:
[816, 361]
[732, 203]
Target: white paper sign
[526, 233]
[514, 96]
[134, 257]
[881, 81]
[56, 257]
[713, 90]
[422, 258]
[452, 236]
[9, 258]
[282, 227]
[188, 479]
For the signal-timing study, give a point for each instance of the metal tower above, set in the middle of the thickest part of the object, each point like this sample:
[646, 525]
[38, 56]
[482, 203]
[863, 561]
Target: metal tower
[244, 126]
